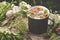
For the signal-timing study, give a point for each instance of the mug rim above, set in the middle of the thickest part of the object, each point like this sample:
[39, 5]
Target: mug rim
[40, 7]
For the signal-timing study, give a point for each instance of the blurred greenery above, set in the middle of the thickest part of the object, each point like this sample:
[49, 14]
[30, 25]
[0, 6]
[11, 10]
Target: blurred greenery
[51, 4]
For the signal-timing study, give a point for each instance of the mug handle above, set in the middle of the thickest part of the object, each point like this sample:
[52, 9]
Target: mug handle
[52, 21]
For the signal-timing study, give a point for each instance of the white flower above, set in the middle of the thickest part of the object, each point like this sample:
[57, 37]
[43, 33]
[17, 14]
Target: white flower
[57, 20]
[9, 13]
[15, 9]
[12, 5]
[51, 16]
[28, 6]
[59, 17]
[50, 22]
[55, 17]
[24, 4]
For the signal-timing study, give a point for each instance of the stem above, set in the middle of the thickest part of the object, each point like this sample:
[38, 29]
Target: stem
[34, 2]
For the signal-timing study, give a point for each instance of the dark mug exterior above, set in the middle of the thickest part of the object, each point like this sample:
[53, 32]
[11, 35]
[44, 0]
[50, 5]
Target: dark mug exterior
[38, 26]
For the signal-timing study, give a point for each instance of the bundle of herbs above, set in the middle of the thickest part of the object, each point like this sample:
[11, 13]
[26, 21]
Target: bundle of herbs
[4, 7]
[55, 37]
[12, 24]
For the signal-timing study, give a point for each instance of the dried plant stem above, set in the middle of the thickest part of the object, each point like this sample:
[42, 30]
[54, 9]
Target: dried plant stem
[34, 2]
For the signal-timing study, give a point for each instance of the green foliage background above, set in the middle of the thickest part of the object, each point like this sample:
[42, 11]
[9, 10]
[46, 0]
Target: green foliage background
[51, 4]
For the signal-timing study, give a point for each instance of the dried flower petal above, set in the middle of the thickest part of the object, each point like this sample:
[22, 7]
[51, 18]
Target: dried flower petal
[9, 13]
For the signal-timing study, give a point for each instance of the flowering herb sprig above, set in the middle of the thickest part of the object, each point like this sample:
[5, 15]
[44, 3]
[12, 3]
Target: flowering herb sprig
[4, 7]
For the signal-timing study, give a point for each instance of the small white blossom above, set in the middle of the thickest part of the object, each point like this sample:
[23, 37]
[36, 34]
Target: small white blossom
[59, 17]
[51, 16]
[24, 4]
[9, 13]
[12, 5]
[55, 18]
[50, 22]
[15, 9]
[28, 6]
